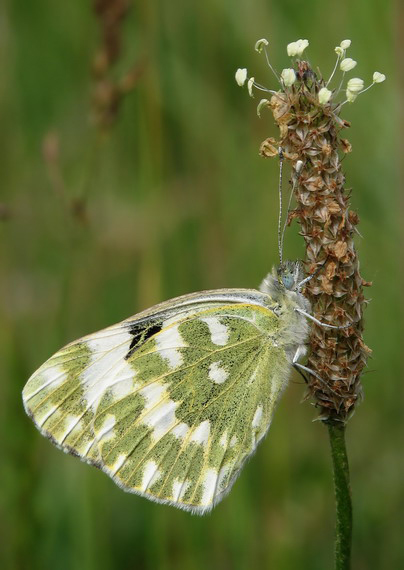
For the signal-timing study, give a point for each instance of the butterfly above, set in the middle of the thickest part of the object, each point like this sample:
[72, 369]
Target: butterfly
[171, 402]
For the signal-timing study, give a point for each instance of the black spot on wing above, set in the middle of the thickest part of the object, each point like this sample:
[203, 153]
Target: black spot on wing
[141, 332]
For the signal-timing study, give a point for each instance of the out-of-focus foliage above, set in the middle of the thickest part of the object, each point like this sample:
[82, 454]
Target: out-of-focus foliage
[174, 198]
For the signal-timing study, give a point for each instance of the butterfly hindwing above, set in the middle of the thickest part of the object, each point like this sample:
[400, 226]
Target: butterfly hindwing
[171, 402]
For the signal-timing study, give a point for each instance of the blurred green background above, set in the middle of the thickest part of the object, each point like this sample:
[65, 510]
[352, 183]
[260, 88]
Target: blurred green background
[98, 222]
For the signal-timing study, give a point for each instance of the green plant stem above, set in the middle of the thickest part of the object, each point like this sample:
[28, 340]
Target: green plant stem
[342, 497]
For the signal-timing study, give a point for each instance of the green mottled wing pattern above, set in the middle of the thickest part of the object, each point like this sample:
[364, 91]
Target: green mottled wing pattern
[169, 404]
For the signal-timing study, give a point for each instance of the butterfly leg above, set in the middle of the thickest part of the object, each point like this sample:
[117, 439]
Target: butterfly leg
[325, 325]
[300, 367]
[301, 350]
[301, 373]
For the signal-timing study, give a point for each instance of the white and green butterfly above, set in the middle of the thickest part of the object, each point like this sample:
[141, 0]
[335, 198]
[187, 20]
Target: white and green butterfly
[171, 402]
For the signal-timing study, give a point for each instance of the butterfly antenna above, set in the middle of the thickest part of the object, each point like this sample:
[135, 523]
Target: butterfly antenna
[298, 168]
[280, 239]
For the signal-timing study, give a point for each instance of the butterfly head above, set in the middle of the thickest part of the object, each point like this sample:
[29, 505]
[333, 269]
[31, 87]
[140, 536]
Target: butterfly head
[286, 277]
[290, 274]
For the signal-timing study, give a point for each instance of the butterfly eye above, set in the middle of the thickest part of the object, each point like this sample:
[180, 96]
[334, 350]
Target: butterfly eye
[288, 280]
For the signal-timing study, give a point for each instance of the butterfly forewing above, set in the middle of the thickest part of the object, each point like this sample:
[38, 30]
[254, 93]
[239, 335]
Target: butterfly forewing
[169, 403]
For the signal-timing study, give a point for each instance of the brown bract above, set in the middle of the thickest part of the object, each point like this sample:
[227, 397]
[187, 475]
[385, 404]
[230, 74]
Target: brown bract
[310, 132]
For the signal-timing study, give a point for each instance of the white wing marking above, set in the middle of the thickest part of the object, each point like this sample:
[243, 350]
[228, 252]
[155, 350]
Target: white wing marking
[257, 417]
[209, 486]
[223, 439]
[71, 422]
[218, 332]
[101, 372]
[201, 433]
[181, 430]
[118, 463]
[47, 415]
[161, 419]
[123, 387]
[151, 474]
[50, 376]
[179, 489]
[106, 428]
[217, 374]
[168, 341]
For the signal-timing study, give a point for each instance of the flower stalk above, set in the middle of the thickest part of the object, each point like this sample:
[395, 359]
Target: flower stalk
[343, 501]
